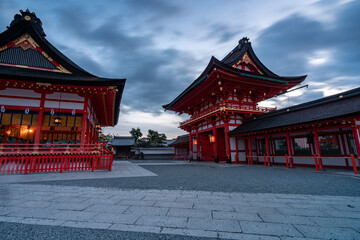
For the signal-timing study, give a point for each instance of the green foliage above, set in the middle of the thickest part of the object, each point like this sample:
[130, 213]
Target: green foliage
[156, 139]
[136, 133]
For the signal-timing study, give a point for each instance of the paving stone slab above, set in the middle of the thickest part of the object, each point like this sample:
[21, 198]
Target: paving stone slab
[106, 208]
[145, 210]
[92, 225]
[69, 206]
[236, 216]
[219, 207]
[336, 222]
[302, 212]
[174, 204]
[189, 232]
[182, 212]
[213, 225]
[116, 218]
[179, 222]
[135, 228]
[278, 218]
[277, 229]
[252, 209]
[328, 232]
[137, 202]
[244, 236]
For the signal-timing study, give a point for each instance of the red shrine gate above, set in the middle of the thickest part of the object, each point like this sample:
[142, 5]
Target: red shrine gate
[51, 110]
[226, 93]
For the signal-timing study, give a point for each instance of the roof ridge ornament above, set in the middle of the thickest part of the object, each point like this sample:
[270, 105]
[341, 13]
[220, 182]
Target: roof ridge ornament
[244, 40]
[28, 17]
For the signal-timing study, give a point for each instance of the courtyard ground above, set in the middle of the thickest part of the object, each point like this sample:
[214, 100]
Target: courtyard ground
[180, 200]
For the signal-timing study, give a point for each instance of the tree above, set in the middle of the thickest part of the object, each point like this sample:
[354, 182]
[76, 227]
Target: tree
[136, 133]
[155, 138]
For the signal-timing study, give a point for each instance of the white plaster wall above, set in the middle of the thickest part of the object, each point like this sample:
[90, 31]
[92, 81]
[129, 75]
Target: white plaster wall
[232, 143]
[20, 93]
[65, 105]
[19, 102]
[65, 96]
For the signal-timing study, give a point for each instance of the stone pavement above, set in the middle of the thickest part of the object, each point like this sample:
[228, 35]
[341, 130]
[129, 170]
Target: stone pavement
[120, 169]
[187, 213]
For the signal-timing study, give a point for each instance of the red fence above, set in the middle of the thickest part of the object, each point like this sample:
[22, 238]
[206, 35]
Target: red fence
[21, 158]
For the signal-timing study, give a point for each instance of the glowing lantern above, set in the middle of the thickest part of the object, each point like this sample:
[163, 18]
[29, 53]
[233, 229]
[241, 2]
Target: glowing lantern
[195, 141]
[212, 137]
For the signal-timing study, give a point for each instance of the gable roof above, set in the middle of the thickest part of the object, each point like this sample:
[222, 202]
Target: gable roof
[344, 104]
[242, 49]
[180, 140]
[26, 55]
[215, 63]
[28, 27]
[123, 141]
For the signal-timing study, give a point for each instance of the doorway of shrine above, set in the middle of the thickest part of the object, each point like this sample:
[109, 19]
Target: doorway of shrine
[207, 147]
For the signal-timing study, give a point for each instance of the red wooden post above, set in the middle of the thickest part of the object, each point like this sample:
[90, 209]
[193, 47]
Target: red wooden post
[84, 121]
[267, 150]
[250, 151]
[289, 149]
[247, 154]
[227, 143]
[353, 163]
[316, 163]
[318, 150]
[287, 162]
[39, 121]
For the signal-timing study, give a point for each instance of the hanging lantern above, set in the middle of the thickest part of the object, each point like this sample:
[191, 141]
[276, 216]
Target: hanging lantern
[99, 130]
[57, 121]
[195, 141]
[212, 137]
[97, 126]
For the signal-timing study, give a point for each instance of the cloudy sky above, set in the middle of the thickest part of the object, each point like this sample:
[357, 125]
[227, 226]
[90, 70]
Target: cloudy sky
[161, 46]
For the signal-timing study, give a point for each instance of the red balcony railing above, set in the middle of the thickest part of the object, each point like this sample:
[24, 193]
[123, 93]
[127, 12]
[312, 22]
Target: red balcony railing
[26, 158]
[227, 106]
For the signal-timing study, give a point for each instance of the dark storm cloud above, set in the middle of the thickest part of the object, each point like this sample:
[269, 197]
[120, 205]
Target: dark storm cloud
[222, 33]
[287, 46]
[154, 77]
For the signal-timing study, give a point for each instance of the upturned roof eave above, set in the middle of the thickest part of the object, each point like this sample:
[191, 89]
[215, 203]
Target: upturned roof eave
[214, 62]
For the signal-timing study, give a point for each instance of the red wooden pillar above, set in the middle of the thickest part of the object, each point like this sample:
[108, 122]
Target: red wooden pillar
[84, 121]
[197, 145]
[227, 143]
[317, 147]
[288, 142]
[39, 121]
[237, 151]
[190, 146]
[215, 145]
[267, 150]
[250, 151]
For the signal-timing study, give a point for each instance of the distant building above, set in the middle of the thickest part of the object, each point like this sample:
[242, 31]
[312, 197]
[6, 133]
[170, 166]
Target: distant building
[181, 147]
[122, 146]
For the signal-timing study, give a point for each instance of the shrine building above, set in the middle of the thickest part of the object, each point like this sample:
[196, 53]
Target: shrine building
[49, 105]
[226, 93]
[226, 123]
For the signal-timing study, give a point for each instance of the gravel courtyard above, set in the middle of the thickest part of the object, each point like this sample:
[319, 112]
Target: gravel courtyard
[178, 200]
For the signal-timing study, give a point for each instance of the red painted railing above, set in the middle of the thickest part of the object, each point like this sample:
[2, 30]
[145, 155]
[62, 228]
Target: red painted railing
[26, 158]
[228, 106]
